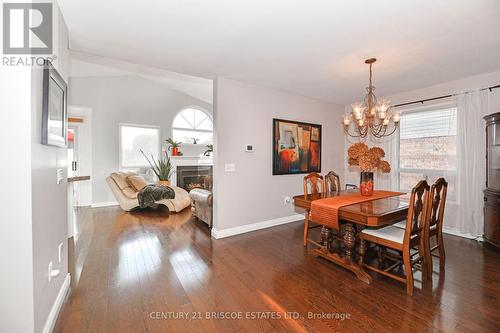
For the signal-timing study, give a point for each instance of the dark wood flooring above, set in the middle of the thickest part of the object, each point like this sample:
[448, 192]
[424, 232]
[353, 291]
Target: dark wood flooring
[139, 272]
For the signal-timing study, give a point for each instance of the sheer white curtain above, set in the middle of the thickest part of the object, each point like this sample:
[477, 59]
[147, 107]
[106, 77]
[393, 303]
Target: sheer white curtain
[471, 173]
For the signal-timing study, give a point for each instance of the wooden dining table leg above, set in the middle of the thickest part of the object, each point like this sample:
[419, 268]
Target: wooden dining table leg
[324, 235]
[349, 241]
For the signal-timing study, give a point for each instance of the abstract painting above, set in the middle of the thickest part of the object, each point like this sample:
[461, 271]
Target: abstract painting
[296, 147]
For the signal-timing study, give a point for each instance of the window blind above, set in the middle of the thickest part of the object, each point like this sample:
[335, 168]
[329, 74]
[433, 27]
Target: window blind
[432, 123]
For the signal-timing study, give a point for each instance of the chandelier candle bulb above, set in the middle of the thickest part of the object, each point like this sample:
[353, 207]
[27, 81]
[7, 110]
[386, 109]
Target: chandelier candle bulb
[395, 118]
[347, 119]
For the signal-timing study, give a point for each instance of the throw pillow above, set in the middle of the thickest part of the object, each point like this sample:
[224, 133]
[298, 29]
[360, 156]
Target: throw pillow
[137, 182]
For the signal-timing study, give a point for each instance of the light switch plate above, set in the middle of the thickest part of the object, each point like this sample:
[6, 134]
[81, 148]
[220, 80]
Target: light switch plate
[230, 167]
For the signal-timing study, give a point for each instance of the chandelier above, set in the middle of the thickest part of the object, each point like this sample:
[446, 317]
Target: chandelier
[371, 116]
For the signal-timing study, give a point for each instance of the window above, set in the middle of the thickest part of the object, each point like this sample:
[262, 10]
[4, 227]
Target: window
[428, 147]
[191, 124]
[133, 138]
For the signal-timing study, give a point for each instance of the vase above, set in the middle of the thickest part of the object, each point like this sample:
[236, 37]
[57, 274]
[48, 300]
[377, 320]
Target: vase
[164, 182]
[175, 151]
[366, 184]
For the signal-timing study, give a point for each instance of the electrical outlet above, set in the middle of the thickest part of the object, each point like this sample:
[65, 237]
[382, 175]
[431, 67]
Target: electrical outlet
[230, 167]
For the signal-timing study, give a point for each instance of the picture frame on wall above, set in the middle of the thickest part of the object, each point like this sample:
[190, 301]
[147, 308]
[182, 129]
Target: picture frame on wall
[296, 147]
[54, 108]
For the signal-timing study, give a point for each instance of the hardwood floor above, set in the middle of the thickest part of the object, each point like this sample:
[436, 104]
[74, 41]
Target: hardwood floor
[131, 272]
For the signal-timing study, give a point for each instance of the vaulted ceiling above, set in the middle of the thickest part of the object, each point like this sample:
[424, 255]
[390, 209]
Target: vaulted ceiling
[313, 48]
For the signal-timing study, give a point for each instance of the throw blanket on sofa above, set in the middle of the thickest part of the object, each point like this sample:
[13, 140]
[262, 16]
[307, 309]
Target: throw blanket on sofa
[152, 193]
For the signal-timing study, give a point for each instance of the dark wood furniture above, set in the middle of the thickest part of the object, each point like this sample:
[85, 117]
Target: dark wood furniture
[437, 197]
[492, 191]
[315, 182]
[403, 240]
[354, 218]
[332, 182]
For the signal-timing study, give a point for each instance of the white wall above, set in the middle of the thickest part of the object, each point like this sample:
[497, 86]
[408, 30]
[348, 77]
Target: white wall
[243, 115]
[16, 249]
[49, 199]
[126, 99]
[453, 87]
[33, 209]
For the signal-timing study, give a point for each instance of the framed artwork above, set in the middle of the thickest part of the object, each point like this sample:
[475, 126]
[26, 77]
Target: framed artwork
[296, 147]
[54, 116]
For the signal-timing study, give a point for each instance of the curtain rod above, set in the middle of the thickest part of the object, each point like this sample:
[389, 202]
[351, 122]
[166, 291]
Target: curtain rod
[422, 101]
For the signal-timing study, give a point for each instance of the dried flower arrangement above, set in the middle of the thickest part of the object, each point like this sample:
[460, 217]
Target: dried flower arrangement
[367, 159]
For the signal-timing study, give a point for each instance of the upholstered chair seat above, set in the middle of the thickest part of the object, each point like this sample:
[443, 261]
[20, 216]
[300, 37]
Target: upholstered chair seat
[402, 225]
[391, 233]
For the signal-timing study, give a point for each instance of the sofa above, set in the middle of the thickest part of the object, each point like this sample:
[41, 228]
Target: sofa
[126, 194]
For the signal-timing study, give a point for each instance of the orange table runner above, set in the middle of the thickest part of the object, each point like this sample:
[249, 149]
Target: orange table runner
[326, 211]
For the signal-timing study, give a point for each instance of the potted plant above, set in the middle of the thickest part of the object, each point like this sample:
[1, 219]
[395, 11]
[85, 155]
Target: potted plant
[162, 168]
[209, 150]
[368, 159]
[174, 146]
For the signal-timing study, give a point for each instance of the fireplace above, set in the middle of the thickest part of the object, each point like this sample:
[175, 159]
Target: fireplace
[190, 177]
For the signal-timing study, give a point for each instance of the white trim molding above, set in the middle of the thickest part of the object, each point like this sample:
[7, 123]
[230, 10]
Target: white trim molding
[218, 234]
[104, 204]
[58, 303]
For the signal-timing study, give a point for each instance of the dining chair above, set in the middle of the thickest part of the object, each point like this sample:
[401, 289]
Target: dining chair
[403, 240]
[332, 182]
[435, 219]
[315, 182]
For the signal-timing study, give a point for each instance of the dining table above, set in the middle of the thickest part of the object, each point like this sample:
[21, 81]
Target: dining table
[353, 218]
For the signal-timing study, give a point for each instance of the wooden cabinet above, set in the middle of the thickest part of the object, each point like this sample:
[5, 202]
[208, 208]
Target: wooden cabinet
[492, 191]
[492, 217]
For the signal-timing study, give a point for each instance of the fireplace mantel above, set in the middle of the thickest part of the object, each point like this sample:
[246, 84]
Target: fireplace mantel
[188, 161]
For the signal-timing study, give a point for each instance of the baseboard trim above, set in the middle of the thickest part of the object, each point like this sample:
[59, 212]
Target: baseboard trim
[56, 307]
[104, 204]
[218, 234]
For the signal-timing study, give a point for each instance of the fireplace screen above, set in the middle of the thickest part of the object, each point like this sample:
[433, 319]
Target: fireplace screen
[190, 177]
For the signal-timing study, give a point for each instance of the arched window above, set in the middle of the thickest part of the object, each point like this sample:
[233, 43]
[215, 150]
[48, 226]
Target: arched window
[191, 124]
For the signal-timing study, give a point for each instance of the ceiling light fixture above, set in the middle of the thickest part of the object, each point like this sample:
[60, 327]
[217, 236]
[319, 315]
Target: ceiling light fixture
[371, 116]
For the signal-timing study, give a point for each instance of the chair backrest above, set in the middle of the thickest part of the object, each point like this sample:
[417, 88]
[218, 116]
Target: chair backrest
[437, 202]
[417, 212]
[332, 182]
[313, 179]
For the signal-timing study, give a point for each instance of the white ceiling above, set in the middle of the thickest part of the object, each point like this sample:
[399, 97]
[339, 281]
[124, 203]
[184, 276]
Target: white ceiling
[314, 48]
[85, 65]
